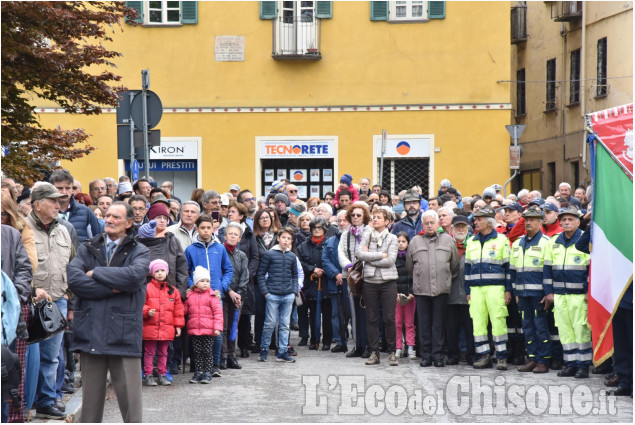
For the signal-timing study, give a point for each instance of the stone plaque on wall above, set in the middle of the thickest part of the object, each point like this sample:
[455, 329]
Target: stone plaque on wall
[228, 48]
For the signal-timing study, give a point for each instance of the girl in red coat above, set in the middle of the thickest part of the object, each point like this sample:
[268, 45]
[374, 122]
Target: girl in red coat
[163, 317]
[204, 323]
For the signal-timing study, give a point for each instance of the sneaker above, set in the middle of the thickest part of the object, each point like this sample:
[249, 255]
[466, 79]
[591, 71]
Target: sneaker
[163, 380]
[398, 353]
[373, 359]
[49, 412]
[412, 353]
[68, 388]
[149, 381]
[291, 351]
[294, 327]
[196, 378]
[207, 378]
[484, 362]
[393, 359]
[168, 376]
[216, 371]
[285, 358]
[303, 342]
[263, 355]
[60, 405]
[501, 364]
[223, 364]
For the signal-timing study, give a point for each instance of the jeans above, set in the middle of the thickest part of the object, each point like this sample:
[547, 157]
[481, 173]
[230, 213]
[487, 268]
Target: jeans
[61, 366]
[278, 309]
[294, 314]
[49, 360]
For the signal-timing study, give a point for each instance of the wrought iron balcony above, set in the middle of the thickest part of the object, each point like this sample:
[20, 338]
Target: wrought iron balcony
[296, 38]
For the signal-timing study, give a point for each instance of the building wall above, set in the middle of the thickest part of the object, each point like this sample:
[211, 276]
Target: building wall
[557, 137]
[448, 62]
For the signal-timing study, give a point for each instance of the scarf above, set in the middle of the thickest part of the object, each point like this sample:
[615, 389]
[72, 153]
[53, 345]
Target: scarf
[401, 254]
[317, 241]
[267, 237]
[379, 236]
[358, 232]
[230, 248]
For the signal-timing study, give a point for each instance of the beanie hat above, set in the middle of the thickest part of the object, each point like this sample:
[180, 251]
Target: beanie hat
[158, 209]
[124, 187]
[159, 265]
[148, 230]
[297, 208]
[281, 197]
[347, 179]
[276, 185]
[446, 183]
[489, 192]
[200, 272]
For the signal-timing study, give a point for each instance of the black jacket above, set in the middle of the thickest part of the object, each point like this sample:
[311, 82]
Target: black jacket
[311, 257]
[404, 282]
[106, 322]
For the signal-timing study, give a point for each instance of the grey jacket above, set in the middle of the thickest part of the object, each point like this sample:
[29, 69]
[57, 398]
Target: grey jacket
[15, 262]
[376, 268]
[182, 235]
[457, 294]
[432, 261]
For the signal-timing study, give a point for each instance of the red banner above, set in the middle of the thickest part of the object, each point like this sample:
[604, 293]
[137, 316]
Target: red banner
[614, 128]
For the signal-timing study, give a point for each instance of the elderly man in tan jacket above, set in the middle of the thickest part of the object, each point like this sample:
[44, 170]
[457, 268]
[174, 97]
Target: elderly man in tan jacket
[432, 260]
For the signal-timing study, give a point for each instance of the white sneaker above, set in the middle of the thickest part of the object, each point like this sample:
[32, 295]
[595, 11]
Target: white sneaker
[398, 353]
[412, 353]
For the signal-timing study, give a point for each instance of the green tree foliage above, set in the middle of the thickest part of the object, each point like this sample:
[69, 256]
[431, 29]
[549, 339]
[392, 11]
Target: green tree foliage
[55, 51]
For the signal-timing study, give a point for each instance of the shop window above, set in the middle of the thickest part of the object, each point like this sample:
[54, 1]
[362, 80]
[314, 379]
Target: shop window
[403, 174]
[165, 13]
[602, 87]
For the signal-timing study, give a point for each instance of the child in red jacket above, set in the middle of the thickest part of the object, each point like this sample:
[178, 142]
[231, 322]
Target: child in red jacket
[163, 317]
[205, 321]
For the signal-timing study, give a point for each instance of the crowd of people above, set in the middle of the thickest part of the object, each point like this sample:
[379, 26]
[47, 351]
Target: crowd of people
[150, 284]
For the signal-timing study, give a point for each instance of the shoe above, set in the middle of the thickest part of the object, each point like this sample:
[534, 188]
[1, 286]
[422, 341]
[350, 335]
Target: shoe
[393, 359]
[366, 353]
[463, 357]
[583, 372]
[168, 376]
[326, 347]
[338, 349]
[373, 359]
[312, 347]
[603, 369]
[452, 362]
[484, 362]
[149, 381]
[354, 353]
[518, 360]
[412, 353]
[541, 368]
[398, 353]
[263, 355]
[425, 363]
[294, 327]
[291, 351]
[612, 381]
[163, 380]
[206, 378]
[174, 371]
[49, 412]
[216, 371]
[233, 364]
[255, 349]
[68, 388]
[223, 364]
[196, 379]
[285, 358]
[567, 371]
[501, 364]
[244, 353]
[528, 367]
[470, 361]
[619, 391]
[303, 342]
[556, 364]
[439, 363]
[60, 405]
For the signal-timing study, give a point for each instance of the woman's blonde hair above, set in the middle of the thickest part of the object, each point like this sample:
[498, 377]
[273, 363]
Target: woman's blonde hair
[11, 208]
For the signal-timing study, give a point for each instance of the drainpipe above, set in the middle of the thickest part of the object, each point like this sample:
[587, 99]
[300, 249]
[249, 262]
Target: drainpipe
[583, 84]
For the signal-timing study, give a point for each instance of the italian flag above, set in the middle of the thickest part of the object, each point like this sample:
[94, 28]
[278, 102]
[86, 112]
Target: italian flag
[611, 228]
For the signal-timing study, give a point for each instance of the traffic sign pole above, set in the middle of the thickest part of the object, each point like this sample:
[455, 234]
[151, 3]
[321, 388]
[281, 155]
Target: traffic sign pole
[145, 85]
[131, 123]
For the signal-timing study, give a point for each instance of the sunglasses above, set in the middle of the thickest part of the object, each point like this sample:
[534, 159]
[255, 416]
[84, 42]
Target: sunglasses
[249, 199]
[357, 215]
[293, 191]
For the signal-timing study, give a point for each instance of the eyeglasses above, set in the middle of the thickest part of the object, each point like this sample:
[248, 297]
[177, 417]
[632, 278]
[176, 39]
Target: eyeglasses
[249, 199]
[138, 209]
[357, 215]
[293, 191]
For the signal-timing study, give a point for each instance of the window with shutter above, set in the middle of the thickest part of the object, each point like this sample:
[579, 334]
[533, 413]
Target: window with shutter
[138, 6]
[324, 9]
[268, 9]
[189, 12]
[436, 10]
[406, 10]
[164, 12]
[378, 10]
[550, 103]
[602, 87]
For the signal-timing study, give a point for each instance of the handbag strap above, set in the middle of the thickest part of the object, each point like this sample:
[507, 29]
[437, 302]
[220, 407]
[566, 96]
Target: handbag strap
[348, 244]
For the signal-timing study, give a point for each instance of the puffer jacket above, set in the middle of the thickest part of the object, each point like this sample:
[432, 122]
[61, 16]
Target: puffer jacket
[310, 255]
[432, 261]
[204, 311]
[281, 271]
[377, 269]
[105, 322]
[331, 263]
[168, 312]
[404, 281]
[169, 250]
[213, 257]
[83, 220]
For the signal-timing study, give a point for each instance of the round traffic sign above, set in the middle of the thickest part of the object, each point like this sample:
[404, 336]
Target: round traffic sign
[155, 110]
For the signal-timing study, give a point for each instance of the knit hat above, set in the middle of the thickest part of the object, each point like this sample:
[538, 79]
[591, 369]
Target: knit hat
[297, 208]
[489, 192]
[159, 265]
[200, 272]
[281, 197]
[158, 209]
[347, 179]
[276, 185]
[446, 183]
[124, 187]
[148, 230]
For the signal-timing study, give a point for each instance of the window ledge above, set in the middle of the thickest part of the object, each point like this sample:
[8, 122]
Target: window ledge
[523, 115]
[573, 104]
[163, 25]
[408, 21]
[549, 111]
[600, 96]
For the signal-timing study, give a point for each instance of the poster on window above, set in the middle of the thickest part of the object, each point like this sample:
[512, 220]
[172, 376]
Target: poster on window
[297, 176]
[315, 174]
[326, 189]
[302, 192]
[315, 191]
[327, 175]
[282, 174]
[269, 175]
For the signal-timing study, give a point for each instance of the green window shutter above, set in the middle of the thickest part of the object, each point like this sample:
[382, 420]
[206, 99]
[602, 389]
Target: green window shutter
[378, 10]
[436, 10]
[324, 10]
[138, 6]
[268, 9]
[189, 12]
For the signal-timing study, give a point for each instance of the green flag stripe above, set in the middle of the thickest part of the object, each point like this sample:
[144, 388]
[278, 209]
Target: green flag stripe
[613, 205]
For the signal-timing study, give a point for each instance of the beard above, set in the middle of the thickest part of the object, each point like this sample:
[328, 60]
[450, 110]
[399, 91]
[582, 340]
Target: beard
[413, 211]
[460, 236]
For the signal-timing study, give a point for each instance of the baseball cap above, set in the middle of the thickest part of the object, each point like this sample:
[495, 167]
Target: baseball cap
[45, 190]
[459, 219]
[513, 206]
[234, 187]
[224, 199]
[550, 206]
[537, 201]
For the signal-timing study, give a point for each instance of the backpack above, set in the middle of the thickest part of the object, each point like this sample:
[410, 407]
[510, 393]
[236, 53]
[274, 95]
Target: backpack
[11, 376]
[10, 310]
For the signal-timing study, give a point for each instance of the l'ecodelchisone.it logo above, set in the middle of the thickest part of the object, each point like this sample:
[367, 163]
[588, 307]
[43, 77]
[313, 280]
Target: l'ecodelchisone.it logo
[403, 148]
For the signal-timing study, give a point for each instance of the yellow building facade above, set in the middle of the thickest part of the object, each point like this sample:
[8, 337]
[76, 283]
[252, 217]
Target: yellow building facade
[252, 91]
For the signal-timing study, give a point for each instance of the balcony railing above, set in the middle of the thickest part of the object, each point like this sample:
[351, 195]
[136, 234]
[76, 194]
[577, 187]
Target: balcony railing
[297, 38]
[566, 11]
[519, 24]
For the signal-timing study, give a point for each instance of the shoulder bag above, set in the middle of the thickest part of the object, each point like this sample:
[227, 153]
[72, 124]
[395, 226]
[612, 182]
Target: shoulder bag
[47, 320]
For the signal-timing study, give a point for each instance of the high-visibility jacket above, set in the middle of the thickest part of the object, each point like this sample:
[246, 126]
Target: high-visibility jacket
[487, 261]
[526, 265]
[567, 268]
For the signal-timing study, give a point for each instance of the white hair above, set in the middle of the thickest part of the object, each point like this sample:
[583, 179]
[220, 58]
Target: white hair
[522, 193]
[232, 224]
[194, 204]
[325, 208]
[491, 222]
[535, 194]
[450, 205]
[511, 197]
[444, 208]
[302, 214]
[430, 213]
[565, 184]
[341, 212]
